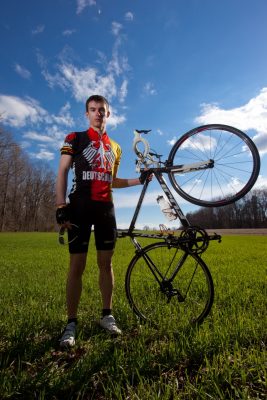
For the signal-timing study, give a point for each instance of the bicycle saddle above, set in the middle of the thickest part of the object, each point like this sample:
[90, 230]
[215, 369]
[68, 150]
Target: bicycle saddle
[145, 131]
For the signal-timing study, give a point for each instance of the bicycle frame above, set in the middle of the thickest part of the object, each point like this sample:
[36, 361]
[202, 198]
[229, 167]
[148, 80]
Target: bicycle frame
[158, 175]
[130, 231]
[148, 159]
[185, 223]
[158, 171]
[166, 284]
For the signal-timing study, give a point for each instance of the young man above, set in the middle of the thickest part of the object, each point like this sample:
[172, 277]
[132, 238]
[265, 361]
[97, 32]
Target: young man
[94, 158]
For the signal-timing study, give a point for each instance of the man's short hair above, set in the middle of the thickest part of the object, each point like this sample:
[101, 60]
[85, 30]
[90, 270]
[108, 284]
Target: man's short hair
[98, 99]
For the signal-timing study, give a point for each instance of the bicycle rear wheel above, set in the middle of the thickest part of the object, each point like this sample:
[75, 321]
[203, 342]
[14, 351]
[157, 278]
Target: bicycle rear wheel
[235, 168]
[169, 287]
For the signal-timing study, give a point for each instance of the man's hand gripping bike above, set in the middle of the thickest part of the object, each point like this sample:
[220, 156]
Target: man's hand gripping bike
[212, 165]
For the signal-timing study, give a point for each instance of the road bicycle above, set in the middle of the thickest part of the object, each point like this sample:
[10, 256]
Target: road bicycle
[212, 165]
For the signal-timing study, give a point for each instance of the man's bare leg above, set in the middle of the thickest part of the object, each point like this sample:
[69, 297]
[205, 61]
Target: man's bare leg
[73, 294]
[106, 277]
[74, 283]
[106, 284]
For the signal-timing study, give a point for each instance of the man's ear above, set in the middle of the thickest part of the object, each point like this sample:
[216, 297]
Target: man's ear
[108, 114]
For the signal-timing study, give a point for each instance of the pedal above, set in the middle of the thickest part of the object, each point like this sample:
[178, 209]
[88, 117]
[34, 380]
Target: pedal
[164, 230]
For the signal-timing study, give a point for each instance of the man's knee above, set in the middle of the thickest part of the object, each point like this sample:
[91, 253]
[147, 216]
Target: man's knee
[77, 264]
[104, 258]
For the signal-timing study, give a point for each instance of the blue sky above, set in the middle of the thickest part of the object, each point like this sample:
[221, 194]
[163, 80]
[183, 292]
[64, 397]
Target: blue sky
[167, 66]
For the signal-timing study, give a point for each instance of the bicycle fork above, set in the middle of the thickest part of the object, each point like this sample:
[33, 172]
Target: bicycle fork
[165, 285]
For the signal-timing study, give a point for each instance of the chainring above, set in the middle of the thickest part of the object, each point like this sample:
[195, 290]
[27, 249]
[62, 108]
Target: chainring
[194, 239]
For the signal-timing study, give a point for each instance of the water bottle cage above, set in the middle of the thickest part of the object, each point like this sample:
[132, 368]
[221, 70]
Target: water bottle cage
[169, 213]
[166, 208]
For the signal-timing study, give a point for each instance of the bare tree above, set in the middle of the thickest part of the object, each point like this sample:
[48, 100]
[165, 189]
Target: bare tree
[248, 212]
[27, 189]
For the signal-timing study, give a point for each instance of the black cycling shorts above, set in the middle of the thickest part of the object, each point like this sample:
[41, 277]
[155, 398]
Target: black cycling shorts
[87, 213]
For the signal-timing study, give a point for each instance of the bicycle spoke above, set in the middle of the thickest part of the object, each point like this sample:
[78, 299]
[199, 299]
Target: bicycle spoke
[234, 170]
[183, 296]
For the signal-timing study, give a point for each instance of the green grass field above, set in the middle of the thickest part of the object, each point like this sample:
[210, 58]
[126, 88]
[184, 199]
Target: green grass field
[225, 358]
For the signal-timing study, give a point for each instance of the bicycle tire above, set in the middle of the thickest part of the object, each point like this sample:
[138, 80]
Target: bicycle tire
[235, 170]
[148, 297]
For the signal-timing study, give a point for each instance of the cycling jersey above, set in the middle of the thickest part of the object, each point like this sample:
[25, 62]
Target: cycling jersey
[95, 163]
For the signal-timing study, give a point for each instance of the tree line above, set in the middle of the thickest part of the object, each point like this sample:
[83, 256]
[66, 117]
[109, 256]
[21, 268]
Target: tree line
[27, 195]
[248, 212]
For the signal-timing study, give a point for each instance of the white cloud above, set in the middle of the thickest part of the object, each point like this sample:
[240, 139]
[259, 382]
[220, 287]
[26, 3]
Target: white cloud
[18, 112]
[129, 16]
[82, 82]
[149, 89]
[123, 91]
[260, 140]
[64, 117]
[87, 81]
[118, 64]
[56, 131]
[130, 199]
[261, 182]
[24, 144]
[82, 4]
[55, 80]
[116, 28]
[23, 72]
[114, 65]
[68, 32]
[40, 59]
[252, 115]
[49, 129]
[38, 29]
[43, 154]
[114, 119]
[102, 59]
[37, 137]
[172, 141]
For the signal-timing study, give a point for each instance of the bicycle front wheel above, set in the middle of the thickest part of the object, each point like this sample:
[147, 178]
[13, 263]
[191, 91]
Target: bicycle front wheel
[234, 168]
[169, 287]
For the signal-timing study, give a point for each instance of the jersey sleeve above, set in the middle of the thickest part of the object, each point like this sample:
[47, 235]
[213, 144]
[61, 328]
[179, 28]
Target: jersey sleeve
[70, 144]
[118, 153]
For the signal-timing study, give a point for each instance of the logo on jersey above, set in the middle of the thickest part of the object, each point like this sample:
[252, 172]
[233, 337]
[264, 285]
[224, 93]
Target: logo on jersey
[99, 155]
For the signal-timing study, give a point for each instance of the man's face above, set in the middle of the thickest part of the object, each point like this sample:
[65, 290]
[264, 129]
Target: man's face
[97, 113]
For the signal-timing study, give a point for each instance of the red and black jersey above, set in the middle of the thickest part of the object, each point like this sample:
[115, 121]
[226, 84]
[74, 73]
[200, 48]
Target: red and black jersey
[95, 163]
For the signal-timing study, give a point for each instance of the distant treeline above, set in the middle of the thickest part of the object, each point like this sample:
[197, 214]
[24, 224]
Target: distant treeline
[27, 194]
[27, 197]
[248, 212]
